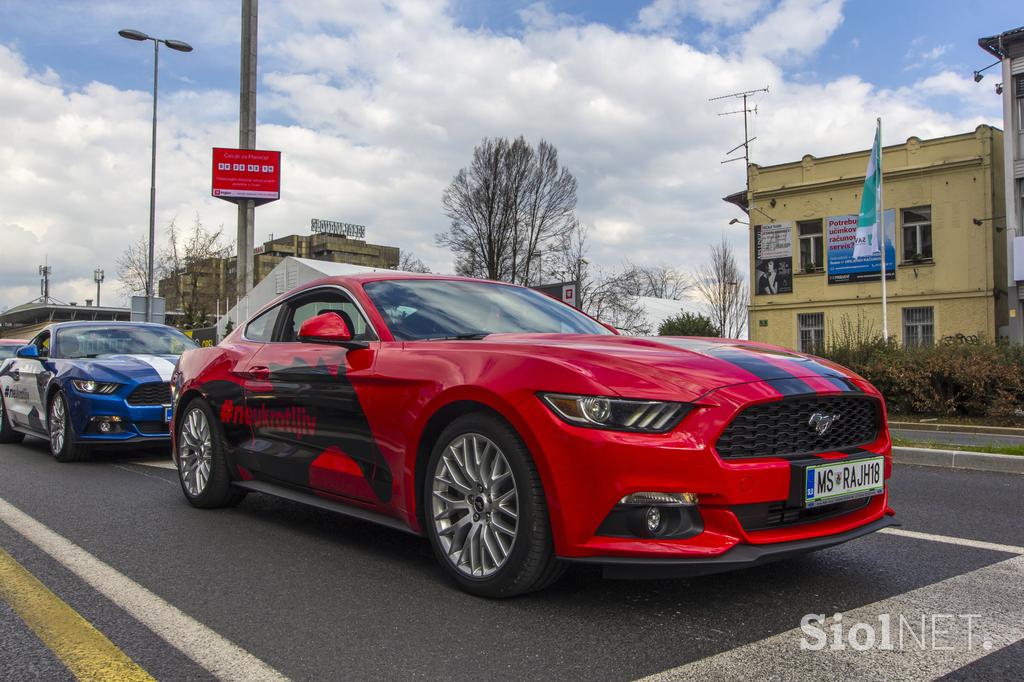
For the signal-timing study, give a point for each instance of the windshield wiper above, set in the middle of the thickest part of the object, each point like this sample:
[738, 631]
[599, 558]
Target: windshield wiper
[474, 336]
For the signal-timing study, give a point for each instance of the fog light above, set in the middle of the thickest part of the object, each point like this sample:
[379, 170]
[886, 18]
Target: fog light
[653, 519]
[104, 427]
[672, 499]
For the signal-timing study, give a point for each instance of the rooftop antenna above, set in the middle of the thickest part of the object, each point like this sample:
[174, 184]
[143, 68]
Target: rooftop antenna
[745, 110]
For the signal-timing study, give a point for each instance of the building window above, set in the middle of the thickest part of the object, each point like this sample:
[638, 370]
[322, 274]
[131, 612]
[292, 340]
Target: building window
[918, 326]
[810, 245]
[917, 234]
[1018, 90]
[811, 327]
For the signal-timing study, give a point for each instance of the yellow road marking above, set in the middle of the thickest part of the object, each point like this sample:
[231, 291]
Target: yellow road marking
[81, 647]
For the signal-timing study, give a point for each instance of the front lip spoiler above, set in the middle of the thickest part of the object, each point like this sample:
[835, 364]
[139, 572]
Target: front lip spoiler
[739, 557]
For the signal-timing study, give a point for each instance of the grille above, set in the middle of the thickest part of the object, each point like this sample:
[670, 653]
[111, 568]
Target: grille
[783, 428]
[151, 394]
[777, 514]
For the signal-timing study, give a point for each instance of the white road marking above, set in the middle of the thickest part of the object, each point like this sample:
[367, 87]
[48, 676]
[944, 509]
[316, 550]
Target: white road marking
[963, 542]
[222, 658]
[157, 463]
[991, 596]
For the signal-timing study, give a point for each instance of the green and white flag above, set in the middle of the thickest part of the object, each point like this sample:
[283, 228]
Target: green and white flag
[868, 242]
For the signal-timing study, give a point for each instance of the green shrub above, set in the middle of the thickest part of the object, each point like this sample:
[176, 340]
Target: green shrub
[689, 324]
[982, 380]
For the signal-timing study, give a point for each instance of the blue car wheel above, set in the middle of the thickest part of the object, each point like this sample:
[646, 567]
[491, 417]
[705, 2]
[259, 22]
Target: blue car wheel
[62, 437]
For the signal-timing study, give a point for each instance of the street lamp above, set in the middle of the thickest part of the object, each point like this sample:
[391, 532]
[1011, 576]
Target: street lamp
[180, 46]
[737, 220]
[97, 276]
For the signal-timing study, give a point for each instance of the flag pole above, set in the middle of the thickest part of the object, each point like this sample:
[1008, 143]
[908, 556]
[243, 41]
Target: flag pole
[880, 212]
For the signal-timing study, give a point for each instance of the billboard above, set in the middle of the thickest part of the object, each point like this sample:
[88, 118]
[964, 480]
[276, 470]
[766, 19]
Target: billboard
[773, 259]
[564, 291]
[240, 174]
[841, 235]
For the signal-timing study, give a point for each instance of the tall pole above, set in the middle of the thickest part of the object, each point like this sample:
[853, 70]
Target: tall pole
[880, 212]
[247, 140]
[152, 194]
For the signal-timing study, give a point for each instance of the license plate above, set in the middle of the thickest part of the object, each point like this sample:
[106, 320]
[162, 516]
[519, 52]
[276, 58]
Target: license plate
[830, 483]
[167, 414]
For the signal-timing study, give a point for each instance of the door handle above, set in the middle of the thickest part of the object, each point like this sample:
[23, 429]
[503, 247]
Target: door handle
[259, 373]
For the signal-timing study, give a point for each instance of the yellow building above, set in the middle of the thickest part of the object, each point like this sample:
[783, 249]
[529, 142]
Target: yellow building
[943, 201]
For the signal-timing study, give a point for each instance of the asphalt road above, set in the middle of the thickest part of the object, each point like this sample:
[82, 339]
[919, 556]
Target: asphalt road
[954, 438]
[316, 596]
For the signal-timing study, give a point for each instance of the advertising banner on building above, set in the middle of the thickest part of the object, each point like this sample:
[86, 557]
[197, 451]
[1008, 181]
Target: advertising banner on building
[841, 236]
[773, 259]
[246, 174]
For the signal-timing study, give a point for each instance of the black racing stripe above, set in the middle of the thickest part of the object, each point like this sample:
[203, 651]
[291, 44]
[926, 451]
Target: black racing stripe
[843, 384]
[757, 366]
[791, 387]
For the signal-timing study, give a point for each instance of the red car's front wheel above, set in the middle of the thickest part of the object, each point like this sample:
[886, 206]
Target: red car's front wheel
[485, 510]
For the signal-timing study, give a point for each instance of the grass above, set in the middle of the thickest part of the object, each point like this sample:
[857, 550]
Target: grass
[991, 448]
[926, 419]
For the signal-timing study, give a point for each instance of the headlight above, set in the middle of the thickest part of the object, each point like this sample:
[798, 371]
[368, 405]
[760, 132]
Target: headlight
[617, 414]
[90, 386]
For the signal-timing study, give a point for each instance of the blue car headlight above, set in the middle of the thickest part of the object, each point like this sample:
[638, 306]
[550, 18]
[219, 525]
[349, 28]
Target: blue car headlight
[617, 414]
[94, 387]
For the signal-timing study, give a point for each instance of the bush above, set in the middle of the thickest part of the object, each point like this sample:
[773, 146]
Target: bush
[983, 380]
[688, 324]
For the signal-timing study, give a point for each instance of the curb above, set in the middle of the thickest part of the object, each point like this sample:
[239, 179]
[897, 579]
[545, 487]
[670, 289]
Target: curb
[958, 428]
[959, 459]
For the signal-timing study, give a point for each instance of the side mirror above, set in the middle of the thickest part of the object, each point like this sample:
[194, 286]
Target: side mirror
[29, 352]
[328, 328]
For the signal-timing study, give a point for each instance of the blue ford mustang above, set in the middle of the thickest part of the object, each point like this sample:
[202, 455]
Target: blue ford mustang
[87, 384]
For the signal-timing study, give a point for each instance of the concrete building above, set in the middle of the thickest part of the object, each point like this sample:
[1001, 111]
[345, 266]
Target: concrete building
[946, 247]
[212, 287]
[1008, 48]
[25, 320]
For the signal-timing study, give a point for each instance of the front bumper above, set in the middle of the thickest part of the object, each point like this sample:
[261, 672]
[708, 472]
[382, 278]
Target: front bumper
[137, 423]
[741, 556]
[586, 472]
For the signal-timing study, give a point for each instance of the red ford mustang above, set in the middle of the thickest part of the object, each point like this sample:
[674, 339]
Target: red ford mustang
[520, 435]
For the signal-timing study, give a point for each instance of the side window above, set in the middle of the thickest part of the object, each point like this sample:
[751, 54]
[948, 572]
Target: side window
[261, 329]
[324, 301]
[42, 342]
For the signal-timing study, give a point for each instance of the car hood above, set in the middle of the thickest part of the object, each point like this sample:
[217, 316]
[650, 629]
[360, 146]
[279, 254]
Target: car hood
[682, 367]
[124, 369]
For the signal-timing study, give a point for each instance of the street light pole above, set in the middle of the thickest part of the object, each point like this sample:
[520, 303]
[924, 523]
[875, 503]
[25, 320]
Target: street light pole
[152, 193]
[180, 46]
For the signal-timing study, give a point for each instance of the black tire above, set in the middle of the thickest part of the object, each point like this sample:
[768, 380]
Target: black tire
[218, 490]
[7, 433]
[531, 564]
[69, 450]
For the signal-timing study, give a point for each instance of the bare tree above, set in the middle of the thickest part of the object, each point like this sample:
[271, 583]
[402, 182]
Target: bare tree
[408, 262]
[659, 281]
[609, 297]
[511, 203]
[132, 268]
[724, 290]
[190, 258]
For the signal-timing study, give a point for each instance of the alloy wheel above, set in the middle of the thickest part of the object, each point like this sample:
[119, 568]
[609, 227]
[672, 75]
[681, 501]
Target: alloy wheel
[58, 419]
[195, 452]
[475, 505]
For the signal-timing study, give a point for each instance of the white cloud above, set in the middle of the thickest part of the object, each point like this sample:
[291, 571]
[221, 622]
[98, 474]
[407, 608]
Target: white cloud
[669, 14]
[378, 106]
[794, 28]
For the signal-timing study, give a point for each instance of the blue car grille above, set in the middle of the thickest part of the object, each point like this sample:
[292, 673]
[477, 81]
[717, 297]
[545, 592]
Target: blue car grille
[151, 394]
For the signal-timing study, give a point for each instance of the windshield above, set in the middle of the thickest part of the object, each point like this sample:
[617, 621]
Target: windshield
[7, 350]
[91, 342]
[435, 309]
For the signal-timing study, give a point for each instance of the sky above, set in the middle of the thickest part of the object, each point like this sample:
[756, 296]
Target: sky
[375, 106]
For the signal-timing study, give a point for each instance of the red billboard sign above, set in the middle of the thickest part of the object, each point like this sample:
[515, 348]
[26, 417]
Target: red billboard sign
[240, 174]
